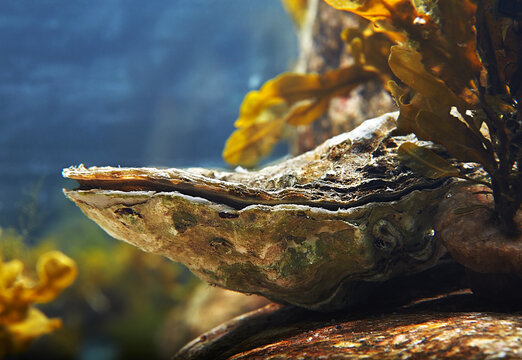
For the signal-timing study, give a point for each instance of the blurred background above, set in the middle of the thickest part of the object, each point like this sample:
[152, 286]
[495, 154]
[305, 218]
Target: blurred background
[130, 83]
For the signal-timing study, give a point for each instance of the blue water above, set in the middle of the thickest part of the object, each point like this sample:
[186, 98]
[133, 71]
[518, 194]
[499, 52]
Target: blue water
[125, 82]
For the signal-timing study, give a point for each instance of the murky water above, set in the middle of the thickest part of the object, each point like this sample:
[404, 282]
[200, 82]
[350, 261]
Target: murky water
[126, 83]
[118, 82]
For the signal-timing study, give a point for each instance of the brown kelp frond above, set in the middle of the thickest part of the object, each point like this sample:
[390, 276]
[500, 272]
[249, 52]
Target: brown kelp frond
[369, 47]
[443, 35]
[428, 113]
[453, 68]
[294, 99]
[450, 94]
[20, 322]
[425, 161]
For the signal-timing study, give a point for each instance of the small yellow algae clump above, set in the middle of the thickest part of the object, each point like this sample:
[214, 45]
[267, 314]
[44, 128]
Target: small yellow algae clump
[20, 322]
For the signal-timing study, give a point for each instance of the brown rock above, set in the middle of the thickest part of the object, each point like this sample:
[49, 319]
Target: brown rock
[413, 336]
[423, 316]
[428, 331]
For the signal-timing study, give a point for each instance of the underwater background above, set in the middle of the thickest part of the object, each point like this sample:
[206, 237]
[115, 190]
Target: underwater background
[118, 82]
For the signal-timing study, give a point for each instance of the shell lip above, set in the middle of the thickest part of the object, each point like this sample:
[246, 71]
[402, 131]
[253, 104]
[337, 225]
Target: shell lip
[346, 171]
[234, 195]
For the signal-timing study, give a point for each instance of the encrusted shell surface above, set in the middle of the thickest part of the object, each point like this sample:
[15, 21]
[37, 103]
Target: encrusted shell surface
[316, 230]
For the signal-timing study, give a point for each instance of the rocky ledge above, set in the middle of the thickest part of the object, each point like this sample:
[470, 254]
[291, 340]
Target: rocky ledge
[454, 325]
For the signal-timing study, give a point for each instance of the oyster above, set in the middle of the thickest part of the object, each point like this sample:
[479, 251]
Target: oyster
[316, 231]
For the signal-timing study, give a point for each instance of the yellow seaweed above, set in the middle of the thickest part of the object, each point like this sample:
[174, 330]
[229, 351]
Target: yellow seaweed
[397, 18]
[449, 65]
[20, 322]
[297, 10]
[369, 47]
[294, 99]
[376, 10]
[249, 144]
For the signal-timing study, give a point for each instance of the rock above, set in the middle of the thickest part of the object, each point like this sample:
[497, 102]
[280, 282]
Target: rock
[426, 336]
[453, 326]
[466, 226]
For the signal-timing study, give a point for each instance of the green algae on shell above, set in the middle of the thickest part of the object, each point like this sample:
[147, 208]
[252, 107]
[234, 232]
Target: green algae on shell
[315, 231]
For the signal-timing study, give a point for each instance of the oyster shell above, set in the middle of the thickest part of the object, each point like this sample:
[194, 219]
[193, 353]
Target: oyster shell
[315, 231]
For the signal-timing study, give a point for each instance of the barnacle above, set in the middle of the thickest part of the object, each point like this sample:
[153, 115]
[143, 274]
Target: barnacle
[20, 322]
